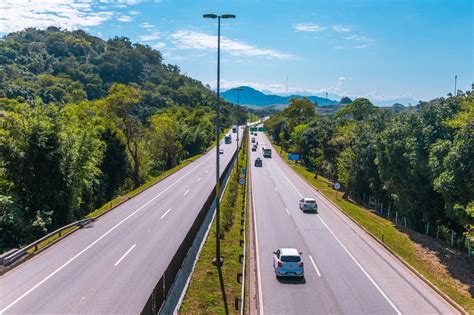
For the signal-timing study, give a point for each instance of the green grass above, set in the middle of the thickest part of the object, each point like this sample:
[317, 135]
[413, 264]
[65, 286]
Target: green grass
[207, 293]
[396, 240]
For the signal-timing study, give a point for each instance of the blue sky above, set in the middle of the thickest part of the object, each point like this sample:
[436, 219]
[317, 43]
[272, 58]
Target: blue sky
[384, 50]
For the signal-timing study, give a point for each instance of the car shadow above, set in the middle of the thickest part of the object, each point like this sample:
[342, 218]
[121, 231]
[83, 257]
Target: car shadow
[292, 280]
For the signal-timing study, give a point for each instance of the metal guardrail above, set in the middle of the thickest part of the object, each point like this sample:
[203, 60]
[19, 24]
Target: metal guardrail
[22, 251]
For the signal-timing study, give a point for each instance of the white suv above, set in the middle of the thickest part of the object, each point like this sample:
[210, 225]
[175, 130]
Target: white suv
[308, 204]
[287, 262]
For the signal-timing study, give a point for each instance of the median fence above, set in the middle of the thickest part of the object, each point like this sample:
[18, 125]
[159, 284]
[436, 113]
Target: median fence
[163, 288]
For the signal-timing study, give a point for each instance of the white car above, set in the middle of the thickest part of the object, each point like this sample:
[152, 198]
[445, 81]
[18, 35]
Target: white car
[308, 204]
[288, 262]
[221, 151]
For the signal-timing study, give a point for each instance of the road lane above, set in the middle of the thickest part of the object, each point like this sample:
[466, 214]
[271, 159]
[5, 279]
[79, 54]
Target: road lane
[77, 275]
[361, 276]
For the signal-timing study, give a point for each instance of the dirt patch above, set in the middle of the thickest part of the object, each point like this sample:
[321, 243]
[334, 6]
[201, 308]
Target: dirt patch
[445, 262]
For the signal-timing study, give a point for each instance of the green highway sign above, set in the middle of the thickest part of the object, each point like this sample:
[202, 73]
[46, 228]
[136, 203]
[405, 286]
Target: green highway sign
[252, 129]
[262, 129]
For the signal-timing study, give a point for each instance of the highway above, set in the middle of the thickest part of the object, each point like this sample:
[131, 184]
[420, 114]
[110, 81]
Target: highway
[112, 265]
[346, 271]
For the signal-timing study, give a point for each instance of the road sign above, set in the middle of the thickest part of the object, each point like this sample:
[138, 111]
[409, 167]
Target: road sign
[244, 170]
[337, 186]
[293, 157]
[263, 129]
[253, 129]
[242, 181]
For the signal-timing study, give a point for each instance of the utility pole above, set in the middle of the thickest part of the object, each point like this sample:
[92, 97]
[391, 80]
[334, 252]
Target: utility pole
[218, 261]
[237, 125]
[455, 85]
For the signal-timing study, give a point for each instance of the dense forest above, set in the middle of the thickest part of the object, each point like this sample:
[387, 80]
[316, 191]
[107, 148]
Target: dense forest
[83, 119]
[419, 162]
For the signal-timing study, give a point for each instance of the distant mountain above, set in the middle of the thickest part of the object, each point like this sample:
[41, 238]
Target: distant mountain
[251, 96]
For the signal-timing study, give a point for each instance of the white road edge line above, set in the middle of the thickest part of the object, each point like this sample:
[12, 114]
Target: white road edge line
[259, 277]
[287, 212]
[314, 265]
[126, 253]
[346, 250]
[164, 214]
[186, 192]
[95, 242]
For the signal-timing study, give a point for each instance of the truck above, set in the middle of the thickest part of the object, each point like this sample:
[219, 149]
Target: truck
[227, 139]
[267, 151]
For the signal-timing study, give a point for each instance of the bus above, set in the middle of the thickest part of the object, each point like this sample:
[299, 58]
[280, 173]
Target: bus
[267, 151]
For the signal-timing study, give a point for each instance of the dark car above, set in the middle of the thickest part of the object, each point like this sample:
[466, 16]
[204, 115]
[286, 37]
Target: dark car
[254, 148]
[258, 162]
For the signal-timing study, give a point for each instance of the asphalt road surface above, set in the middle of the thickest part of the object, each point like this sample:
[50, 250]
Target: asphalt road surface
[346, 271]
[112, 265]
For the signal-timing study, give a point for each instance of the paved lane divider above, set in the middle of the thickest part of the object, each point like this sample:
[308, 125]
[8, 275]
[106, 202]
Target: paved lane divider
[126, 253]
[164, 214]
[314, 265]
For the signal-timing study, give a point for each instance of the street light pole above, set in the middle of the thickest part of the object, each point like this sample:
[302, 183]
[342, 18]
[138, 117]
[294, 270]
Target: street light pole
[237, 124]
[218, 261]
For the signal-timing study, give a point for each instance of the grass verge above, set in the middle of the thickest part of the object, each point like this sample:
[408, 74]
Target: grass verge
[212, 289]
[396, 239]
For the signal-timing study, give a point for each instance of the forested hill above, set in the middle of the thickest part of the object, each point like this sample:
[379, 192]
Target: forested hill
[83, 119]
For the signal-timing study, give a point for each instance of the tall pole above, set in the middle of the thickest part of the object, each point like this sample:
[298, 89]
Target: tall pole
[455, 84]
[218, 260]
[237, 124]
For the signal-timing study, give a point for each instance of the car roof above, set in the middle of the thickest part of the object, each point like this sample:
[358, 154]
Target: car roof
[289, 252]
[309, 199]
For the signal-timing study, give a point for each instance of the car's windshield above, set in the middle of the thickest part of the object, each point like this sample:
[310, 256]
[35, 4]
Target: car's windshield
[290, 259]
[310, 201]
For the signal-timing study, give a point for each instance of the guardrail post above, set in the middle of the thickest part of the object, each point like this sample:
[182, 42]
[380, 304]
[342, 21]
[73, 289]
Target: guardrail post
[469, 251]
[236, 303]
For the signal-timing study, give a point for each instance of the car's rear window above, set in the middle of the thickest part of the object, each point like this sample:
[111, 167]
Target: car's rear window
[290, 258]
[310, 201]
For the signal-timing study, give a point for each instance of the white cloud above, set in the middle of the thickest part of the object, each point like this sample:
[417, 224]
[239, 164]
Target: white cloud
[362, 46]
[340, 28]
[146, 25]
[19, 14]
[309, 27]
[159, 45]
[358, 38]
[186, 39]
[150, 37]
[125, 18]
[134, 12]
[339, 47]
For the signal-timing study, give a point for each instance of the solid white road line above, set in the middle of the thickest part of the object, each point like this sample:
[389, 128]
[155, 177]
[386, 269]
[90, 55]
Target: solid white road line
[346, 250]
[164, 214]
[96, 241]
[259, 277]
[287, 212]
[199, 179]
[126, 253]
[314, 265]
[186, 192]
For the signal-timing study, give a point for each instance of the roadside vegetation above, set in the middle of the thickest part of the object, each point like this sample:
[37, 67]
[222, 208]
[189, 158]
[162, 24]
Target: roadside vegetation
[83, 120]
[212, 289]
[368, 150]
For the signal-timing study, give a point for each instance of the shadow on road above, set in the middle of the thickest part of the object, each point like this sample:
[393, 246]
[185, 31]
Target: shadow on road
[291, 280]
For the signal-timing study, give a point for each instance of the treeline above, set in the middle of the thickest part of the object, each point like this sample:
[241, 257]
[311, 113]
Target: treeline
[82, 120]
[419, 162]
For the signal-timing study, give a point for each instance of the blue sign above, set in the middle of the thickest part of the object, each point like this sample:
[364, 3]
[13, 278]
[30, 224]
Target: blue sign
[242, 181]
[293, 157]
[244, 170]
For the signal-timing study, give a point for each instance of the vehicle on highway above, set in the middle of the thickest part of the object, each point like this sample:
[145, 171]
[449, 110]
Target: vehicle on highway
[228, 139]
[234, 129]
[258, 162]
[254, 148]
[267, 151]
[308, 204]
[221, 151]
[253, 140]
[288, 262]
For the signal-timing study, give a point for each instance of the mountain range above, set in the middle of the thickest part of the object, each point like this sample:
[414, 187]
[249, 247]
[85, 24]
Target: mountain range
[251, 96]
